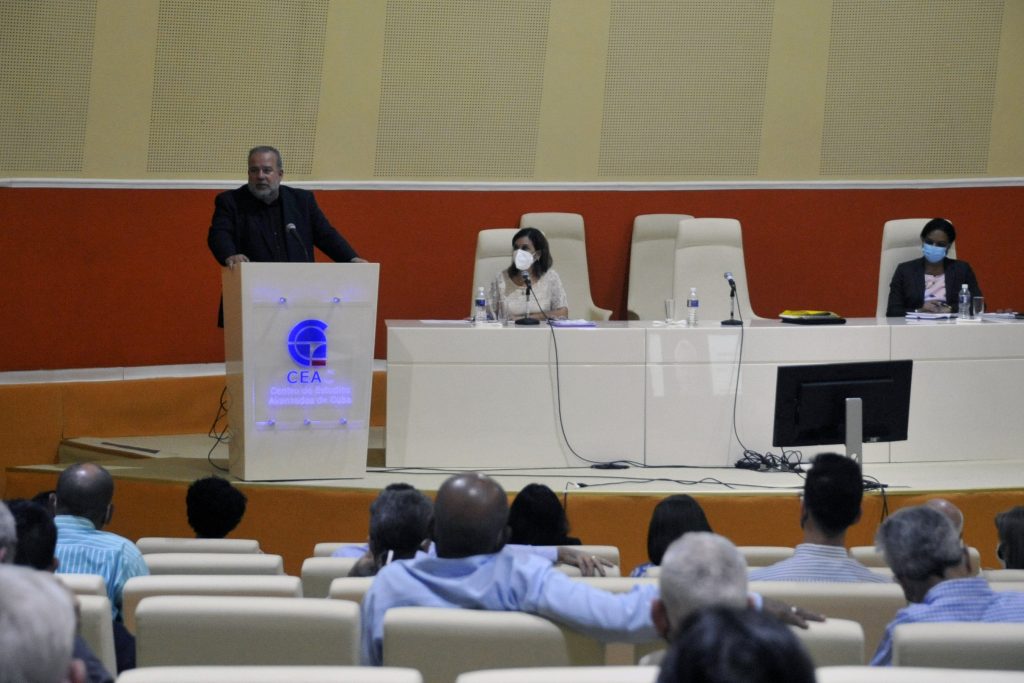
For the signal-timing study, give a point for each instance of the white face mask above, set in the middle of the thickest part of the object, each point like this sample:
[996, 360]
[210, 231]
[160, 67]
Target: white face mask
[523, 259]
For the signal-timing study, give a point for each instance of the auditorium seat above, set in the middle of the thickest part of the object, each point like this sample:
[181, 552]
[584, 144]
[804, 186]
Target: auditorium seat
[765, 555]
[707, 248]
[868, 556]
[189, 630]
[318, 572]
[214, 563]
[270, 674]
[906, 674]
[834, 642]
[1001, 575]
[327, 549]
[652, 254]
[140, 587]
[493, 255]
[570, 674]
[964, 645]
[901, 241]
[350, 588]
[567, 241]
[84, 584]
[167, 544]
[97, 629]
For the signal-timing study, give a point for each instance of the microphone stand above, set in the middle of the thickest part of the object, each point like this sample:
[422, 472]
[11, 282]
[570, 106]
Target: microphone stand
[732, 306]
[528, 320]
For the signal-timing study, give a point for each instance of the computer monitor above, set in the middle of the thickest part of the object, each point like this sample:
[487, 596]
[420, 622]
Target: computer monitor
[820, 405]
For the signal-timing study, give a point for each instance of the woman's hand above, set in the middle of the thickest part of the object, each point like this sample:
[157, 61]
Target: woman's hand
[934, 307]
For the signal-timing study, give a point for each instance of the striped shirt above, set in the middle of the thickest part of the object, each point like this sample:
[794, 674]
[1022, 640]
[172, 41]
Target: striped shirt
[955, 600]
[818, 563]
[82, 549]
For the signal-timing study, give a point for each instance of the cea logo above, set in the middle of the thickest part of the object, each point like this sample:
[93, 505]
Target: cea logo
[307, 345]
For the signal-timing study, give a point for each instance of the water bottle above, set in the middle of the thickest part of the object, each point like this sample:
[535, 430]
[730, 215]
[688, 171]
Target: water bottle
[692, 304]
[964, 305]
[480, 306]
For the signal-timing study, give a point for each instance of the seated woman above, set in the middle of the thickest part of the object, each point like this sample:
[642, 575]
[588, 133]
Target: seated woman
[536, 517]
[547, 293]
[932, 283]
[1010, 527]
[672, 517]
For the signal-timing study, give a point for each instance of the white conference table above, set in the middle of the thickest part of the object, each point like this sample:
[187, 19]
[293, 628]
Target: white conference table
[467, 397]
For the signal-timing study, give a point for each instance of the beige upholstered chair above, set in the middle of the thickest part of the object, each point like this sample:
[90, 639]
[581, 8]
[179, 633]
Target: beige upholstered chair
[350, 588]
[901, 241]
[964, 645]
[906, 674]
[765, 555]
[872, 605]
[327, 549]
[422, 638]
[707, 248]
[97, 629]
[1002, 575]
[652, 254]
[270, 674]
[84, 584]
[149, 545]
[255, 585]
[835, 642]
[318, 572]
[869, 557]
[176, 630]
[573, 674]
[493, 255]
[214, 563]
[565, 235]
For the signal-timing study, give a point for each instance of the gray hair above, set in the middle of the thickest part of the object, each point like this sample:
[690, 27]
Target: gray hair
[37, 626]
[265, 149]
[919, 542]
[8, 535]
[701, 569]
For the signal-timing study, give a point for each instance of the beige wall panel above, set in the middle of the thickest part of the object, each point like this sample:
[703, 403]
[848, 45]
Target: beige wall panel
[461, 88]
[233, 74]
[910, 87]
[1006, 155]
[45, 69]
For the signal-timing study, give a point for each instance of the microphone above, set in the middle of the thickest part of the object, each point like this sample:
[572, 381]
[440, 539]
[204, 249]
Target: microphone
[732, 300]
[728, 278]
[292, 230]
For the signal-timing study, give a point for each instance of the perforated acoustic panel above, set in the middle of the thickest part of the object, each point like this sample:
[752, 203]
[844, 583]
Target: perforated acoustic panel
[461, 88]
[910, 87]
[45, 69]
[231, 75]
[684, 87]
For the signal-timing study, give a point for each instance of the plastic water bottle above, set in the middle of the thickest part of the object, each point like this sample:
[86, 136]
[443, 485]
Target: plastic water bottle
[964, 305]
[692, 304]
[480, 306]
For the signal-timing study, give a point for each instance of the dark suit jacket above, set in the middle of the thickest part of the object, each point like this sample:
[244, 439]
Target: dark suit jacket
[238, 227]
[906, 290]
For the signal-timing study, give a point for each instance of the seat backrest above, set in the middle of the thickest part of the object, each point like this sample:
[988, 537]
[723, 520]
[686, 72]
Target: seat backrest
[1000, 575]
[868, 556]
[327, 549]
[84, 584]
[350, 588]
[97, 629]
[910, 674]
[872, 605]
[270, 674]
[652, 264]
[834, 642]
[901, 241]
[318, 572]
[493, 255]
[214, 563]
[415, 637]
[765, 555]
[707, 248]
[178, 630]
[149, 545]
[565, 235]
[256, 585]
[573, 674]
[964, 645]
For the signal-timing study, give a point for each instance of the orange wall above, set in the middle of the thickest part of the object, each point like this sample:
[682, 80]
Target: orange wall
[101, 278]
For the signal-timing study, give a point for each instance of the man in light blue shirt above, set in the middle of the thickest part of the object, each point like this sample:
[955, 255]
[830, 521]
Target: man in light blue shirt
[830, 505]
[473, 569]
[84, 494]
[930, 563]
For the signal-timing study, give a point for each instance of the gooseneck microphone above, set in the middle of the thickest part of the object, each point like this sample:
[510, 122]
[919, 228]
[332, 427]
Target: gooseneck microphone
[524, 261]
[292, 230]
[728, 278]
[732, 300]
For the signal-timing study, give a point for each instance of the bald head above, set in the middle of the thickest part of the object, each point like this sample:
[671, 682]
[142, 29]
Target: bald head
[951, 511]
[470, 516]
[85, 490]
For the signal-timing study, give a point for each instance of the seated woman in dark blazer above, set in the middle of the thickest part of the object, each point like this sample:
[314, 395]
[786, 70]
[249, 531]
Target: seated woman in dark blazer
[931, 284]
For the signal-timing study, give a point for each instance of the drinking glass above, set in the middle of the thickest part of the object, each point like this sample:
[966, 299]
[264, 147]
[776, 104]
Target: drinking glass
[670, 311]
[978, 306]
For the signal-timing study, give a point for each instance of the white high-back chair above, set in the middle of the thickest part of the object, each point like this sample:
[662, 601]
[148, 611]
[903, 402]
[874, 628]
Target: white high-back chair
[834, 642]
[706, 249]
[214, 563]
[964, 645]
[868, 556]
[150, 545]
[565, 235]
[270, 674]
[84, 584]
[493, 255]
[652, 254]
[97, 629]
[765, 555]
[319, 572]
[901, 241]
[351, 588]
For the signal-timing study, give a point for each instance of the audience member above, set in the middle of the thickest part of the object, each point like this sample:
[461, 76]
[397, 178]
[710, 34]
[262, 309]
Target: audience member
[923, 549]
[724, 645]
[8, 535]
[951, 511]
[473, 569]
[84, 494]
[214, 506]
[48, 499]
[831, 502]
[37, 629]
[672, 517]
[399, 528]
[1010, 527]
[538, 518]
